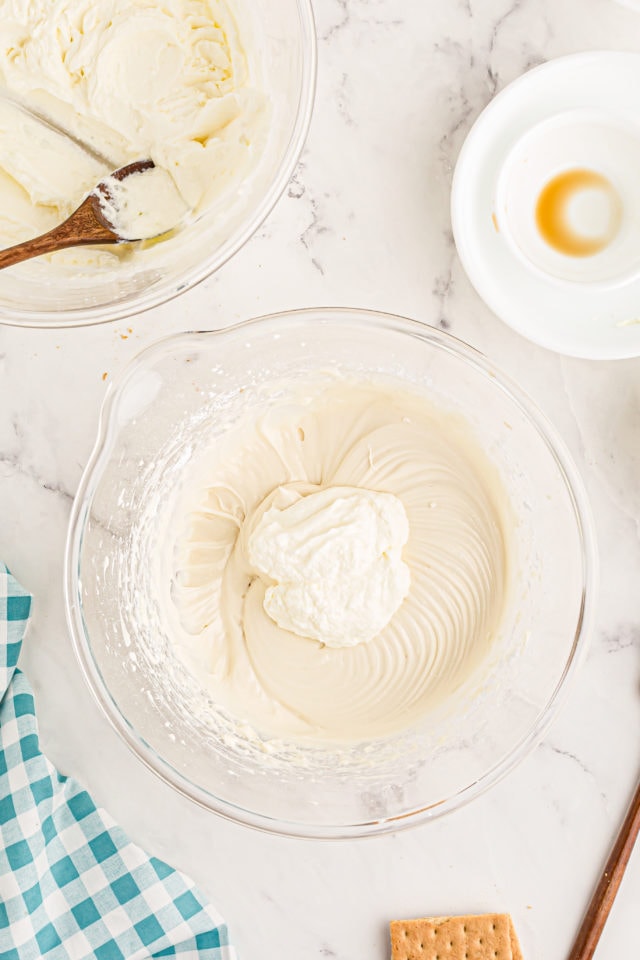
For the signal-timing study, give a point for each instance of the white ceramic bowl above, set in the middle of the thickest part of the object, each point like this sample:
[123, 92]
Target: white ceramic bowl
[575, 111]
[38, 293]
[163, 411]
[591, 141]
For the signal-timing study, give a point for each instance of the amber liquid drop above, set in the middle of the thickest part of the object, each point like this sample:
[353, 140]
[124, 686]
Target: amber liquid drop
[552, 212]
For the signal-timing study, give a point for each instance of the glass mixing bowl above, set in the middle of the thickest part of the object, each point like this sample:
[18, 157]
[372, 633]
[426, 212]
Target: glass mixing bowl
[162, 413]
[38, 293]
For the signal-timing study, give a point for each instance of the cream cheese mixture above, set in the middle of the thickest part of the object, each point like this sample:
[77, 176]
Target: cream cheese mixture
[167, 80]
[339, 562]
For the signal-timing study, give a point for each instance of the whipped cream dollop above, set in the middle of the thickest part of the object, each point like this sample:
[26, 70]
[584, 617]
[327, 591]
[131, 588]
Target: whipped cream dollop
[334, 562]
[166, 80]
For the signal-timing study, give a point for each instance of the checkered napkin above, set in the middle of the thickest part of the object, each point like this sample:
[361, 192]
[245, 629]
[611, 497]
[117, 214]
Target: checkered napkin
[72, 886]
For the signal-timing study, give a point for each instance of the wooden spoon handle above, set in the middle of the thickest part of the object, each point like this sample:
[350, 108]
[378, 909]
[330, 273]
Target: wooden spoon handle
[605, 893]
[46, 243]
[82, 227]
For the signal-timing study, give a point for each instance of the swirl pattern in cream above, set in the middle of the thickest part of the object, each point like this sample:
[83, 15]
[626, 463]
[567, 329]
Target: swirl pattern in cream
[348, 434]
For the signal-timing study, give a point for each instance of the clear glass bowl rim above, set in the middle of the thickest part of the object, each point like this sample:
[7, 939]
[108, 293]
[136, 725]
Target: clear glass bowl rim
[169, 290]
[589, 557]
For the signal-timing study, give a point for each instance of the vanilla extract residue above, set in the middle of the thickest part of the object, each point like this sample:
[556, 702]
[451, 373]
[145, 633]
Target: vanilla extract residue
[578, 212]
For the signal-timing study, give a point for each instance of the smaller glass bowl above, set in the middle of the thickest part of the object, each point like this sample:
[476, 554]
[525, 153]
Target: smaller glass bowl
[162, 413]
[40, 294]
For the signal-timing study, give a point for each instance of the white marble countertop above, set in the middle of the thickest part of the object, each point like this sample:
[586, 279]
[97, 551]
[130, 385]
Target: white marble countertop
[365, 223]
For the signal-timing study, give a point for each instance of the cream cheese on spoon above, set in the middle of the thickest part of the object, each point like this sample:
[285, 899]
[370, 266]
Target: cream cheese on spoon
[143, 205]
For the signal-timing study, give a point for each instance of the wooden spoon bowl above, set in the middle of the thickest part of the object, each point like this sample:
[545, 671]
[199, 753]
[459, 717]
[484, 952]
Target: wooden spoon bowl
[86, 225]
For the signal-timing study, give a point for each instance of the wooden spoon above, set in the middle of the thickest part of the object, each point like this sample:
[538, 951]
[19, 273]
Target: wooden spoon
[607, 888]
[87, 224]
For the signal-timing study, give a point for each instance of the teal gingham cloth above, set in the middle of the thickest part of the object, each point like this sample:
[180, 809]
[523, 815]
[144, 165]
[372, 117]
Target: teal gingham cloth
[72, 885]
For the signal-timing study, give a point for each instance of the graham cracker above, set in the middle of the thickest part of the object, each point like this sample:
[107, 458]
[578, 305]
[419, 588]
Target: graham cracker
[489, 936]
[515, 943]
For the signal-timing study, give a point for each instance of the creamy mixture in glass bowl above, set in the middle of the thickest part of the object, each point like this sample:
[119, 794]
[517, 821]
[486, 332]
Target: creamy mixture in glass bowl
[328, 572]
[337, 563]
[218, 93]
